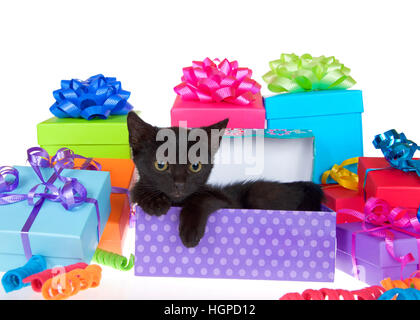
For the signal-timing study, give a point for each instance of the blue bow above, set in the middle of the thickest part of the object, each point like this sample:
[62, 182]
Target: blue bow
[98, 96]
[398, 150]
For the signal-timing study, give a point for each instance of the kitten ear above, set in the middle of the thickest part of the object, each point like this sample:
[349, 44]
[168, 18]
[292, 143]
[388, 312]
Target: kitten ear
[139, 131]
[215, 133]
[221, 125]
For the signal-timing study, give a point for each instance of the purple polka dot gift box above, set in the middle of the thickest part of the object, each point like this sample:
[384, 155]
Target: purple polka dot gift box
[240, 244]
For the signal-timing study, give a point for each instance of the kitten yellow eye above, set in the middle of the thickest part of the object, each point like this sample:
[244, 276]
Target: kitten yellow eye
[161, 166]
[195, 167]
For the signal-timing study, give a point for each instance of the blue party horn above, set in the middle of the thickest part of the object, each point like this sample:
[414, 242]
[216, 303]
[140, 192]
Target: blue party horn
[13, 279]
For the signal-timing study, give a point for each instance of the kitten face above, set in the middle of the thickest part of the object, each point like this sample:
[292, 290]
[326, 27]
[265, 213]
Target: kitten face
[179, 177]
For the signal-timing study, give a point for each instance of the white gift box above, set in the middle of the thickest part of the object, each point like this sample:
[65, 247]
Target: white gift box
[272, 154]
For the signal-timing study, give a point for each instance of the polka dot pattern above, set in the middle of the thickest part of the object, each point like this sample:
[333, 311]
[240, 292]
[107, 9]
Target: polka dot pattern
[241, 244]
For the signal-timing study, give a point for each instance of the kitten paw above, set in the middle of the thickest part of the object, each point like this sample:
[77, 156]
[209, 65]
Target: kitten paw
[190, 233]
[155, 206]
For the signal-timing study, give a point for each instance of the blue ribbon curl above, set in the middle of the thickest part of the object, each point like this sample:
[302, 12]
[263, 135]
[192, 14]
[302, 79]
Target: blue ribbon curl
[398, 150]
[402, 294]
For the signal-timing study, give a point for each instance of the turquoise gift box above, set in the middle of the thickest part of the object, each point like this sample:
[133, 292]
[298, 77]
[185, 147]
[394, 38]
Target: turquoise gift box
[334, 116]
[62, 236]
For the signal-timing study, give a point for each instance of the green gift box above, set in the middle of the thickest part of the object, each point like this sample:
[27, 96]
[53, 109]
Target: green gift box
[92, 138]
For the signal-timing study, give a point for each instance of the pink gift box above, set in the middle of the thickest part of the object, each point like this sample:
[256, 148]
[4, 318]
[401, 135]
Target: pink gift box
[198, 114]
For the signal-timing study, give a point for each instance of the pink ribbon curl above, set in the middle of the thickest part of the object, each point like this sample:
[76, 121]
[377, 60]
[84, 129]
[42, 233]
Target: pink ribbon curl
[379, 213]
[206, 81]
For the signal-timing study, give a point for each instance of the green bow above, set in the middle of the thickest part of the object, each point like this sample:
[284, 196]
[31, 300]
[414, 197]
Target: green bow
[292, 73]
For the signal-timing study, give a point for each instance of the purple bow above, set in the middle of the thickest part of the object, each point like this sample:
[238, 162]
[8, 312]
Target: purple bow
[70, 195]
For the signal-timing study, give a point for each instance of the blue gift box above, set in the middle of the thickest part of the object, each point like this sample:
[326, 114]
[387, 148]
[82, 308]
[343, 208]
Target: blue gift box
[334, 116]
[62, 236]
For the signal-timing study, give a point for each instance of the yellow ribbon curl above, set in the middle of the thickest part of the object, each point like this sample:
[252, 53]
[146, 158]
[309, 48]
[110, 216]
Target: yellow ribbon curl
[343, 176]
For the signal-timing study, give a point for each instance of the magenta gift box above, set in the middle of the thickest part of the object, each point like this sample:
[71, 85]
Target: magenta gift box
[374, 263]
[198, 114]
[240, 244]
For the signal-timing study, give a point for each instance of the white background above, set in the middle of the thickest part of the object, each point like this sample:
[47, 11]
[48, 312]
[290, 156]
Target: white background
[146, 44]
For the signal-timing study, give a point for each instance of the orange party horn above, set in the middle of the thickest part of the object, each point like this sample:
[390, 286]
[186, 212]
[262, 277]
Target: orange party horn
[66, 285]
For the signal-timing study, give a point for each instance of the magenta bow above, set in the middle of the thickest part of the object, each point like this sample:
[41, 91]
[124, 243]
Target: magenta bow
[206, 81]
[379, 213]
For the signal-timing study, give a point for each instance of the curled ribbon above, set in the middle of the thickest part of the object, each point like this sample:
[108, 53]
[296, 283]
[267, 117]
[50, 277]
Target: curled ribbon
[37, 280]
[398, 150]
[292, 73]
[379, 213]
[401, 294]
[343, 176]
[113, 260]
[206, 81]
[411, 282]
[97, 96]
[70, 195]
[370, 293]
[68, 284]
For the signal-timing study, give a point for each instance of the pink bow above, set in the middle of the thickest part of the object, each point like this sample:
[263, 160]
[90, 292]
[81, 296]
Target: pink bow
[207, 81]
[379, 213]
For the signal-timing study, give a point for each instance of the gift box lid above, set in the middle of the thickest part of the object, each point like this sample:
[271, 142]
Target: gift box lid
[259, 154]
[314, 103]
[56, 232]
[397, 187]
[180, 103]
[372, 249]
[198, 114]
[387, 178]
[269, 133]
[75, 131]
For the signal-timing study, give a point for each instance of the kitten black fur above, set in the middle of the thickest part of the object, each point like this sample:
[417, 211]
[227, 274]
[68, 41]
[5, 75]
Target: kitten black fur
[157, 191]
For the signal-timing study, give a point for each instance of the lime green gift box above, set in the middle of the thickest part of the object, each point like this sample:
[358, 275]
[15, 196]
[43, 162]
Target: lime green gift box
[92, 138]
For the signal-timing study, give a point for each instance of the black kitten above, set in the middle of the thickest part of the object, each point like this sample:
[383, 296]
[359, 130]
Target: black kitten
[163, 184]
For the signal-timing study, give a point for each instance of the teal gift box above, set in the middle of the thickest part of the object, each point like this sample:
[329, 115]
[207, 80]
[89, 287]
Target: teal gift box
[334, 116]
[62, 236]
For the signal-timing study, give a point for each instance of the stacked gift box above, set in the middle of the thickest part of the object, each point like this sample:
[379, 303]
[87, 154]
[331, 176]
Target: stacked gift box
[243, 244]
[312, 93]
[73, 198]
[90, 119]
[385, 243]
[71, 204]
